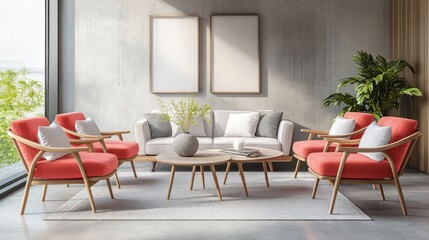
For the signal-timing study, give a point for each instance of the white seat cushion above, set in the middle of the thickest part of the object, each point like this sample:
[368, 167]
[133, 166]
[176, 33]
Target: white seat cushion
[226, 142]
[159, 145]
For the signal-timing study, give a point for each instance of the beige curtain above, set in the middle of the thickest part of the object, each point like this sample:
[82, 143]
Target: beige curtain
[410, 42]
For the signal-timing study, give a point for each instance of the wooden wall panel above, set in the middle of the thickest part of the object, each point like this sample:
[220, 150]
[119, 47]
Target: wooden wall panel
[410, 42]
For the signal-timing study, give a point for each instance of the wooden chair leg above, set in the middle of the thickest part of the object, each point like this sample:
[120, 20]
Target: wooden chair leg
[194, 169]
[228, 167]
[374, 186]
[270, 165]
[25, 196]
[45, 188]
[118, 184]
[401, 195]
[316, 184]
[297, 168]
[134, 169]
[154, 166]
[91, 198]
[68, 185]
[338, 181]
[381, 192]
[109, 186]
[202, 176]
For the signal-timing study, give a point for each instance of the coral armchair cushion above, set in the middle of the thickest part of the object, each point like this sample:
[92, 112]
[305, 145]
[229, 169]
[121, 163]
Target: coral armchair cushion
[361, 120]
[304, 148]
[357, 166]
[28, 128]
[401, 128]
[122, 149]
[68, 121]
[95, 164]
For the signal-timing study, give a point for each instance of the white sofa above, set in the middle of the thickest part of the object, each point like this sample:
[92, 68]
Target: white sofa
[215, 136]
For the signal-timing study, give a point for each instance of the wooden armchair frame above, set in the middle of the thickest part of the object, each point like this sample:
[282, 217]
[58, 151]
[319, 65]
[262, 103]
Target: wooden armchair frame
[336, 181]
[322, 134]
[101, 138]
[87, 181]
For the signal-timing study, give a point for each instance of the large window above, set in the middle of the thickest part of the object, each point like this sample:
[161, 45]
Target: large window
[22, 72]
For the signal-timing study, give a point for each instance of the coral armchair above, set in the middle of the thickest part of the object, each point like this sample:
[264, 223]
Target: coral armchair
[75, 168]
[124, 150]
[302, 149]
[349, 167]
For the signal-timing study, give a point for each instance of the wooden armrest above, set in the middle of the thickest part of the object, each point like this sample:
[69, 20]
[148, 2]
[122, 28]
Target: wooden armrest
[80, 135]
[342, 141]
[343, 135]
[382, 148]
[45, 148]
[115, 132]
[314, 131]
[84, 141]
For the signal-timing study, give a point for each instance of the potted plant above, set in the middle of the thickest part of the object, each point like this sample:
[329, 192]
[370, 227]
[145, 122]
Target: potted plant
[184, 114]
[378, 86]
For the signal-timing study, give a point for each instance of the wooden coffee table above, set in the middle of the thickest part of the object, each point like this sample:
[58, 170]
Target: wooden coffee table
[201, 158]
[268, 155]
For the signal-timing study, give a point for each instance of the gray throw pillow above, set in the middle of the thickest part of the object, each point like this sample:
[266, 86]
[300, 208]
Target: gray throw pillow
[157, 126]
[268, 125]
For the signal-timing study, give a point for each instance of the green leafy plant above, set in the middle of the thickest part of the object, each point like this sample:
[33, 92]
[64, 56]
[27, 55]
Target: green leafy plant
[18, 97]
[378, 86]
[184, 112]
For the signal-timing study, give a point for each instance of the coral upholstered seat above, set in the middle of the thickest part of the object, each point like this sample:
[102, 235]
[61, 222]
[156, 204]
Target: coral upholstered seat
[351, 167]
[302, 149]
[75, 167]
[124, 150]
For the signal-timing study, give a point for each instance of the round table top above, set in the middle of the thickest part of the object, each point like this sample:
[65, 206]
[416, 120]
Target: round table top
[202, 157]
[266, 155]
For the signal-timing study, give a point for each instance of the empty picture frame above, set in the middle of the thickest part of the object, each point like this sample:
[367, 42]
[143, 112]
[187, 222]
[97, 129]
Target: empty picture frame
[235, 64]
[174, 54]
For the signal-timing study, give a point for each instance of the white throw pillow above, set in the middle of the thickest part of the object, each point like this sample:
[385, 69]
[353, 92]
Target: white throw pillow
[52, 136]
[342, 126]
[87, 127]
[196, 130]
[242, 124]
[375, 136]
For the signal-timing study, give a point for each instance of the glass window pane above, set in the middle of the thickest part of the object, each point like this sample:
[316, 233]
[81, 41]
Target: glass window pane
[22, 70]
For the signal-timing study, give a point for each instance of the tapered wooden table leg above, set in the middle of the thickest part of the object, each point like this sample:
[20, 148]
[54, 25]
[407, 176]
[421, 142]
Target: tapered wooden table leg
[194, 168]
[264, 164]
[243, 180]
[219, 194]
[173, 170]
[228, 167]
[202, 176]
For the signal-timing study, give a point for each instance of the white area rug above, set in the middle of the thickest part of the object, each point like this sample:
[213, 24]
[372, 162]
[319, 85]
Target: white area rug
[144, 199]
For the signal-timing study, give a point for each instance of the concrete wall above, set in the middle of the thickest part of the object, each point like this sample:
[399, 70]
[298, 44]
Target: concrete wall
[306, 48]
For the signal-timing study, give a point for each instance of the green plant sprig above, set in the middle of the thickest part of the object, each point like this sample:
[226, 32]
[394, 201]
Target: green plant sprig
[184, 112]
[378, 86]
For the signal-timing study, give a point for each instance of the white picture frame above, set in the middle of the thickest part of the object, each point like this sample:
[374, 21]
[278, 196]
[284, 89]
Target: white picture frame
[235, 54]
[174, 54]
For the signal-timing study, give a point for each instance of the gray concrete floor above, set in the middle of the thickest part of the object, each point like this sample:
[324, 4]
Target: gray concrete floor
[388, 220]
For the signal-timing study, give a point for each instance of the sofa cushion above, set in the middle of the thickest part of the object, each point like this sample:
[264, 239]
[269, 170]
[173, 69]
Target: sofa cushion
[268, 125]
[342, 126]
[95, 164]
[53, 136]
[68, 121]
[357, 166]
[159, 145]
[304, 148]
[242, 124]
[220, 119]
[87, 126]
[197, 129]
[226, 142]
[159, 128]
[375, 136]
[122, 149]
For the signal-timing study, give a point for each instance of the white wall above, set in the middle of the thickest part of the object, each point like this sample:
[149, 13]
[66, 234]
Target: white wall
[306, 48]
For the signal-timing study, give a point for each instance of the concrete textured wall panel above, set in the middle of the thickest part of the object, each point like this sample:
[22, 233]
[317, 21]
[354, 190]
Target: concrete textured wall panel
[306, 47]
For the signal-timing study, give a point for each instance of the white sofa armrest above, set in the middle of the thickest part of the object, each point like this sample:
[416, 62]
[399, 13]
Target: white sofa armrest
[142, 135]
[285, 135]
